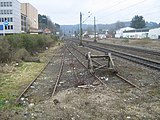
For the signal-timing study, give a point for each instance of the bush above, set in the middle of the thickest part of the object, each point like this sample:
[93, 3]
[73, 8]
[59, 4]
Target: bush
[4, 51]
[14, 47]
[20, 54]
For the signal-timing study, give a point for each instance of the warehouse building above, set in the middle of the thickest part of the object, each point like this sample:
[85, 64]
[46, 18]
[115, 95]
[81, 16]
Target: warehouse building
[119, 33]
[137, 33]
[154, 33]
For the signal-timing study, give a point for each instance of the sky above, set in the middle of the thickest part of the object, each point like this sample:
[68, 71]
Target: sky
[67, 12]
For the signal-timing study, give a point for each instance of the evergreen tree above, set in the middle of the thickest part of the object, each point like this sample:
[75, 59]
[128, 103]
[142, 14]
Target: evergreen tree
[138, 22]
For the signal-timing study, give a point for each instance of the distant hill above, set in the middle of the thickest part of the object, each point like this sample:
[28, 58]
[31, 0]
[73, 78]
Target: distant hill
[69, 29]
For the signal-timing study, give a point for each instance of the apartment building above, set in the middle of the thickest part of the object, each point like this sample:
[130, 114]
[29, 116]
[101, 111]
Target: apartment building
[31, 14]
[22, 17]
[10, 12]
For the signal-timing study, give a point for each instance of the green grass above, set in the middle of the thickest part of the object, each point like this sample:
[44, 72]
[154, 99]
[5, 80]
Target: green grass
[11, 84]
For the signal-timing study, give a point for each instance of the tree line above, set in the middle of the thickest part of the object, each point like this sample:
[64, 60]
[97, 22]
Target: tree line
[45, 22]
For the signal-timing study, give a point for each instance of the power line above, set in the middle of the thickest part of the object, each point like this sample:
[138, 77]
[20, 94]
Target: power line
[122, 9]
[144, 14]
[116, 3]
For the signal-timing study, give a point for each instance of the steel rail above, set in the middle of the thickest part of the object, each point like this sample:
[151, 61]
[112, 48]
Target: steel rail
[28, 86]
[133, 58]
[153, 52]
[118, 75]
[59, 75]
[86, 67]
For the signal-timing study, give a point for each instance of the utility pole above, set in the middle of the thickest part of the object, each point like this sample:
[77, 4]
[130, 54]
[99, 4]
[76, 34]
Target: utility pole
[80, 29]
[95, 29]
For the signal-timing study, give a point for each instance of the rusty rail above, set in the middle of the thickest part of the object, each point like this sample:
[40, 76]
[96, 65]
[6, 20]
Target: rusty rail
[59, 75]
[87, 68]
[118, 75]
[28, 86]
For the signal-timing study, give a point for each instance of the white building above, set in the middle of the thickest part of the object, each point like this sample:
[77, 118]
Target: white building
[154, 33]
[137, 33]
[119, 33]
[10, 11]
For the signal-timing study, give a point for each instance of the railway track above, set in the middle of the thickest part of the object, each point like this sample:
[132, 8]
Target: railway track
[149, 59]
[118, 75]
[40, 88]
[122, 47]
[140, 60]
[95, 76]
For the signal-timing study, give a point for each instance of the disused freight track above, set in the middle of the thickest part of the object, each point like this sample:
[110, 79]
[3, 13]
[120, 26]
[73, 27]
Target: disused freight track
[72, 74]
[41, 87]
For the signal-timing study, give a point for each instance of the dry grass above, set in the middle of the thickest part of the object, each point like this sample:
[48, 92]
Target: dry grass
[12, 83]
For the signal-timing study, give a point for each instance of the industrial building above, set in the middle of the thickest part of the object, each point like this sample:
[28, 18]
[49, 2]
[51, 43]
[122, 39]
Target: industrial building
[119, 33]
[154, 33]
[29, 15]
[10, 12]
[16, 17]
[138, 33]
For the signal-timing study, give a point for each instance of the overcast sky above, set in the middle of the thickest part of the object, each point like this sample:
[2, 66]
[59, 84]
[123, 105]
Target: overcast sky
[66, 12]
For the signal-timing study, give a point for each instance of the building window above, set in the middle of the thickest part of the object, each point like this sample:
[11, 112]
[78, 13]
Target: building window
[5, 12]
[5, 27]
[11, 19]
[10, 3]
[11, 12]
[1, 11]
[5, 4]
[1, 4]
[11, 27]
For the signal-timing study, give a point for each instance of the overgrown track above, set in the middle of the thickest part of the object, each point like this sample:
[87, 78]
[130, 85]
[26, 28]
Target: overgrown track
[32, 92]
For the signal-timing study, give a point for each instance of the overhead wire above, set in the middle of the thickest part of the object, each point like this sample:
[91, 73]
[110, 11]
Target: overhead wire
[128, 7]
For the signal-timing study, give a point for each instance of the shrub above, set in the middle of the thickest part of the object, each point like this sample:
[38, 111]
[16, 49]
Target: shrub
[20, 54]
[15, 47]
[4, 50]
